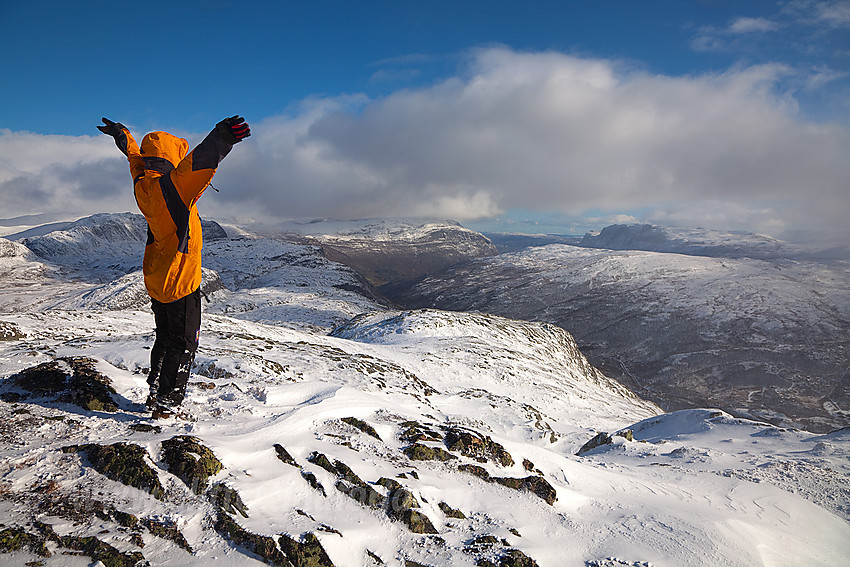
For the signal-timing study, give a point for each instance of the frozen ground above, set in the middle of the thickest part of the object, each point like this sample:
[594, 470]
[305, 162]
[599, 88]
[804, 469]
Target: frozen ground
[289, 354]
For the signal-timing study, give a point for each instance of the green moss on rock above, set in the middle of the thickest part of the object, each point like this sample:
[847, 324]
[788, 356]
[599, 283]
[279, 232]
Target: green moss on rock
[413, 431]
[361, 493]
[419, 452]
[262, 546]
[479, 447]
[165, 531]
[16, 539]
[122, 462]
[306, 553]
[416, 521]
[451, 512]
[94, 548]
[227, 499]
[125, 519]
[516, 558]
[73, 380]
[190, 461]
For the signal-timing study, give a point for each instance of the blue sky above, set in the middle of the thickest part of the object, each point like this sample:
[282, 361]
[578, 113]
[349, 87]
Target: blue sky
[574, 114]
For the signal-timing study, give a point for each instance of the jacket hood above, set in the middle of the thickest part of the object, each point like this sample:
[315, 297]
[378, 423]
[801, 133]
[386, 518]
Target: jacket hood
[164, 145]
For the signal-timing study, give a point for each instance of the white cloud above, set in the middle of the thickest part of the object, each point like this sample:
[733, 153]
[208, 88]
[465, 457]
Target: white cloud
[534, 131]
[752, 25]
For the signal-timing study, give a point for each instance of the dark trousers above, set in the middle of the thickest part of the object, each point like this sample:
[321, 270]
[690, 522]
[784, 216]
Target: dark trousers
[178, 325]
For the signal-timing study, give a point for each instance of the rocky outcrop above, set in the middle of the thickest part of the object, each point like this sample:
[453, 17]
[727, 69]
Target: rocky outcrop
[73, 380]
[190, 461]
[126, 463]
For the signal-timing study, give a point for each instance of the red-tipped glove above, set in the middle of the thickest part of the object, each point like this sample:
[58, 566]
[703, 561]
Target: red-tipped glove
[233, 129]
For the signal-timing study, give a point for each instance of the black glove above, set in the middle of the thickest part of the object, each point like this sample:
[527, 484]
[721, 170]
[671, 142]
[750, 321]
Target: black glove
[233, 129]
[111, 128]
[116, 130]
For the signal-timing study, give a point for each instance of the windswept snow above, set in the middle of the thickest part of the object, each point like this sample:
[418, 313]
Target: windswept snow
[696, 487]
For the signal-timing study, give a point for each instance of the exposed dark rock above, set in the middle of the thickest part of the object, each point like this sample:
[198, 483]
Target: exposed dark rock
[71, 380]
[389, 484]
[414, 431]
[93, 548]
[321, 460]
[227, 499]
[476, 470]
[10, 332]
[479, 447]
[165, 531]
[362, 426]
[346, 473]
[291, 553]
[122, 462]
[313, 482]
[603, 438]
[362, 493]
[516, 558]
[262, 546]
[402, 499]
[537, 485]
[451, 512]
[348, 482]
[401, 506]
[416, 521]
[190, 461]
[306, 553]
[125, 519]
[284, 455]
[146, 428]
[598, 440]
[419, 452]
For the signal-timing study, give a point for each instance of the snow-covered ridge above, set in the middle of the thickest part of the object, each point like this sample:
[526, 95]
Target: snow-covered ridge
[338, 440]
[377, 230]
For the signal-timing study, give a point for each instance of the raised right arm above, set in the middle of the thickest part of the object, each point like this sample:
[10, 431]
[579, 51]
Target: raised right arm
[128, 146]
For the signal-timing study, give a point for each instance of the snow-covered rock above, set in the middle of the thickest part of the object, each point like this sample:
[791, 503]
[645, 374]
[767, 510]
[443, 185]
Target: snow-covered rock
[357, 446]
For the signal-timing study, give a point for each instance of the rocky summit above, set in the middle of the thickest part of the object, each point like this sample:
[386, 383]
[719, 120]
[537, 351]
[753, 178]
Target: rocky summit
[323, 427]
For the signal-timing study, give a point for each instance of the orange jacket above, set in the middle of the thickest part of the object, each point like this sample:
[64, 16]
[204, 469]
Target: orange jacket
[167, 184]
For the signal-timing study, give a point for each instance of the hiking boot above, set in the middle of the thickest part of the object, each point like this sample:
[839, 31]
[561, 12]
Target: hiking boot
[161, 412]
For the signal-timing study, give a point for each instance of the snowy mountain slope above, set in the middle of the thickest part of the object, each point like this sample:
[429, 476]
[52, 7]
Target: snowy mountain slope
[768, 339]
[389, 251]
[258, 386]
[95, 263]
[270, 280]
[339, 439]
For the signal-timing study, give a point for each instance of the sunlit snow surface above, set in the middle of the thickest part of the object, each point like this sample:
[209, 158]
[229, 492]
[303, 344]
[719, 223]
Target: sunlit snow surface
[696, 487]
